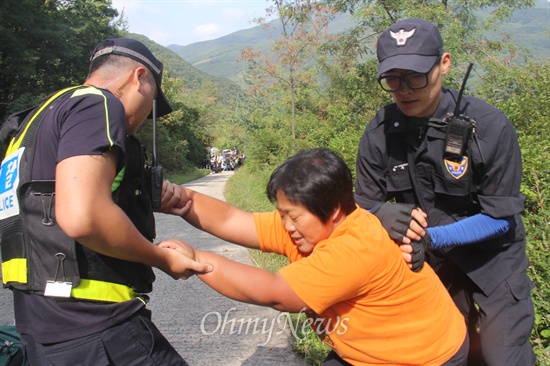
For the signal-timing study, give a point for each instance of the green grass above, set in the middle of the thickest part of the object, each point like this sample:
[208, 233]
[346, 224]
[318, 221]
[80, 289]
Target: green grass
[247, 190]
[187, 176]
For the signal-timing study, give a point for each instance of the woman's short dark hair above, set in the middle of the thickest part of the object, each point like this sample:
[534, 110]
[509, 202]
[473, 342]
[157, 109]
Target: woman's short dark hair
[316, 178]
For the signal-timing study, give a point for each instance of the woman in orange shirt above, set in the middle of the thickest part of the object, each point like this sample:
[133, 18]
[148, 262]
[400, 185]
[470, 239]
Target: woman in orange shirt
[345, 271]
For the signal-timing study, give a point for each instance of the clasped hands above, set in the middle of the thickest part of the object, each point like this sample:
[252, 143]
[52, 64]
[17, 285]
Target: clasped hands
[185, 255]
[405, 224]
[175, 201]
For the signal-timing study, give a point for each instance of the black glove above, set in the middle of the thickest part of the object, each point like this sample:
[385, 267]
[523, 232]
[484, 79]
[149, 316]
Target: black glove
[395, 218]
[419, 252]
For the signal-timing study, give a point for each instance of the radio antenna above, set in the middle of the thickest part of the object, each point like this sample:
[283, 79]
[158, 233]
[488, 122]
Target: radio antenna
[457, 107]
[155, 163]
[156, 169]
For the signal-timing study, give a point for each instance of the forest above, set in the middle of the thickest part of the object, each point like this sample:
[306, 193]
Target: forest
[312, 88]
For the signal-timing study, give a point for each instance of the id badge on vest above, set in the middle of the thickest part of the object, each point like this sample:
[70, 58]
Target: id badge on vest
[9, 182]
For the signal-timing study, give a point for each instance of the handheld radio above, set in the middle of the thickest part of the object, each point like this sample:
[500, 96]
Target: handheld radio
[459, 128]
[156, 169]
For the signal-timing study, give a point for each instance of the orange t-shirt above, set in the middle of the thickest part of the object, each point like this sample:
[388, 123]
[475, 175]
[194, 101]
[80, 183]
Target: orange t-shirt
[369, 306]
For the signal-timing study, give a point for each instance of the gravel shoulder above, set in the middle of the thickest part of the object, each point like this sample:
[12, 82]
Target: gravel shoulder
[205, 327]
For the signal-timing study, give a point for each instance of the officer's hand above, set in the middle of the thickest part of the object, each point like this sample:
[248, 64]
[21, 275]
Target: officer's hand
[179, 246]
[397, 219]
[418, 254]
[180, 257]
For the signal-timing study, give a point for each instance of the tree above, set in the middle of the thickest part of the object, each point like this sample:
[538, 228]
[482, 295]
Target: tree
[303, 28]
[46, 45]
[181, 140]
[523, 93]
[464, 25]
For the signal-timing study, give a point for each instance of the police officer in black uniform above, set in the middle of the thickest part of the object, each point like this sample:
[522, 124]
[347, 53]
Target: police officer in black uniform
[76, 236]
[453, 176]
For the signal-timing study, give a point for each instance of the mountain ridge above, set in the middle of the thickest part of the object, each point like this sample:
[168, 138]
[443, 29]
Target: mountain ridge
[193, 77]
[218, 56]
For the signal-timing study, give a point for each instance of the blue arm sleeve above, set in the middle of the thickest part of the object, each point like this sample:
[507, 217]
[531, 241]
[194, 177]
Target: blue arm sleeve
[468, 231]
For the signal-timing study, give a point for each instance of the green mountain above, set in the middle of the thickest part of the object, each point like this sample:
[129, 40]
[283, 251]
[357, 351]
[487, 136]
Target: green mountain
[529, 28]
[219, 56]
[193, 77]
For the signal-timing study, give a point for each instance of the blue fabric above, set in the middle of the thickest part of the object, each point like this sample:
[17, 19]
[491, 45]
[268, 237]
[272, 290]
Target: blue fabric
[471, 230]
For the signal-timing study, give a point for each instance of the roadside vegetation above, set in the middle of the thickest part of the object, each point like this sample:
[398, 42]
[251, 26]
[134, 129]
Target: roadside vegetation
[182, 177]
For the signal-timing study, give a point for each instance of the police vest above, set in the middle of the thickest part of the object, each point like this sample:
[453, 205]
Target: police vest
[36, 253]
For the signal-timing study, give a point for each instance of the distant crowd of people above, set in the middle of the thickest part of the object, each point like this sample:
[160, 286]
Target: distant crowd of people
[228, 159]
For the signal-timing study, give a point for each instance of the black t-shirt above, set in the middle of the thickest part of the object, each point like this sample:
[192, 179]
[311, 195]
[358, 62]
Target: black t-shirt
[87, 121]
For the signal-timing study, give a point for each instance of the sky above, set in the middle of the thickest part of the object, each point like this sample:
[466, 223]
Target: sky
[182, 22]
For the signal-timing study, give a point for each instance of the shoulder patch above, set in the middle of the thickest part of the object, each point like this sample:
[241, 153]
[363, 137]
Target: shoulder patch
[457, 169]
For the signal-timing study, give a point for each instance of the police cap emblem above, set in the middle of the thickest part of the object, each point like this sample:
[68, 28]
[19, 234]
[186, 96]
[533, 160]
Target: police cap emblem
[402, 36]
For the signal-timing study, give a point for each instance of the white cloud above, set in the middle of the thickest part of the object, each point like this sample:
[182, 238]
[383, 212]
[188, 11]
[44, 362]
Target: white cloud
[235, 14]
[121, 5]
[186, 21]
[160, 37]
[207, 31]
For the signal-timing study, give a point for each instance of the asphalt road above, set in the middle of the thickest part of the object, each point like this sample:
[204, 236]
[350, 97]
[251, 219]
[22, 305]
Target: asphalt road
[205, 327]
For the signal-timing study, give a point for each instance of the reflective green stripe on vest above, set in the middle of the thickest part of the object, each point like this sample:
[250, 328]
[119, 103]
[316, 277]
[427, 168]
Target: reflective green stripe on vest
[14, 270]
[103, 291]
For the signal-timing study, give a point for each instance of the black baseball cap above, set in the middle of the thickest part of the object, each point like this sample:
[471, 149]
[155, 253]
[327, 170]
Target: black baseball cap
[140, 53]
[410, 44]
